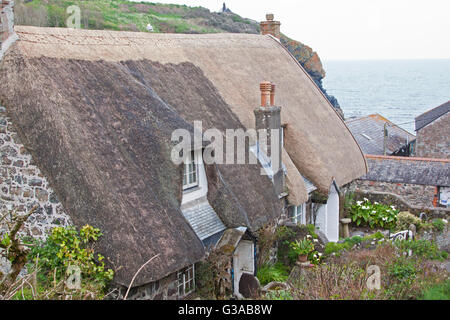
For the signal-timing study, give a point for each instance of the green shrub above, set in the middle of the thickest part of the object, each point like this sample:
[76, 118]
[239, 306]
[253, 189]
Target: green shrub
[438, 224]
[405, 219]
[312, 230]
[268, 273]
[373, 215]
[347, 244]
[279, 295]
[284, 233]
[403, 270]
[67, 246]
[422, 248]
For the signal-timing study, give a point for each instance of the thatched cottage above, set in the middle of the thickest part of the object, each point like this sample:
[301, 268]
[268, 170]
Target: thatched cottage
[94, 111]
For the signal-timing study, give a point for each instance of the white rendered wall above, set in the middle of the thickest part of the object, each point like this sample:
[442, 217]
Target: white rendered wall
[202, 189]
[327, 219]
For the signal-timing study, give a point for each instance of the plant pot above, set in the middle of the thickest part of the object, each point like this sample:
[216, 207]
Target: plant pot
[303, 258]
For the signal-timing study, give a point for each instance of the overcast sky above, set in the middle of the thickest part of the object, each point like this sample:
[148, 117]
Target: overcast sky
[354, 29]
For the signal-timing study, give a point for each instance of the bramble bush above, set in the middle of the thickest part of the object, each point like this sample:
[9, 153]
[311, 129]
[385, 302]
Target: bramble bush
[373, 214]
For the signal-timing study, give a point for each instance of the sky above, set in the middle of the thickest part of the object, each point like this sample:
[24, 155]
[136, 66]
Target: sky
[354, 29]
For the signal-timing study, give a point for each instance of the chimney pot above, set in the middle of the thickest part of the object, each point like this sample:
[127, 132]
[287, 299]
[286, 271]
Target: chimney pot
[272, 95]
[270, 26]
[266, 88]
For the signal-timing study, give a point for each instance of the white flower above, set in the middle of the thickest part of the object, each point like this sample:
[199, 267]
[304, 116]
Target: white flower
[308, 236]
[319, 254]
[376, 202]
[365, 199]
[315, 240]
[373, 211]
[392, 207]
[358, 203]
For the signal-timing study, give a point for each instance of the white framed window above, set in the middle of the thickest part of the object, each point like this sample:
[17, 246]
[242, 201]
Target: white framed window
[190, 177]
[186, 281]
[297, 214]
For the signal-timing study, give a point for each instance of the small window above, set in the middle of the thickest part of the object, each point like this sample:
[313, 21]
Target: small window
[186, 281]
[190, 177]
[296, 214]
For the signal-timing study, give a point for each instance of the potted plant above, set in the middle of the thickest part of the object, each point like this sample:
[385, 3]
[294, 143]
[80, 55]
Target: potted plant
[302, 248]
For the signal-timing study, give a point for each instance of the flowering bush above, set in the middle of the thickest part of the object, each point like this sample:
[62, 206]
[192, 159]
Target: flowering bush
[373, 214]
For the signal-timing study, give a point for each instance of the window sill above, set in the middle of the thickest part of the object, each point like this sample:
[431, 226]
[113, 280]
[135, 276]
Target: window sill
[191, 189]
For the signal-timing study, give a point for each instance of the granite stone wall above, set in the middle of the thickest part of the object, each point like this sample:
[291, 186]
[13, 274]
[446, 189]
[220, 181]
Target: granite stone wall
[415, 194]
[433, 141]
[164, 289]
[22, 185]
[416, 199]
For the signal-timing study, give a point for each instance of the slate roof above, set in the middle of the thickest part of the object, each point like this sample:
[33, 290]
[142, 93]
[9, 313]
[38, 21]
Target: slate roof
[423, 171]
[368, 132]
[431, 115]
[204, 220]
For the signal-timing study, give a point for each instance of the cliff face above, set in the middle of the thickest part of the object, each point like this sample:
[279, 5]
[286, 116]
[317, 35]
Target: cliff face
[310, 60]
[167, 18]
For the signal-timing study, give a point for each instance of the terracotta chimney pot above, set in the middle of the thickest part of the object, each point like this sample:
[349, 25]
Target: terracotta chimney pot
[266, 88]
[272, 95]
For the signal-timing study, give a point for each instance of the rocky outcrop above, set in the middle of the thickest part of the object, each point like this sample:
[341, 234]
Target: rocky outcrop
[310, 61]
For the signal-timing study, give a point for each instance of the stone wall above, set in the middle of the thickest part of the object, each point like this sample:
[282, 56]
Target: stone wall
[414, 194]
[7, 34]
[164, 289]
[433, 141]
[22, 185]
[396, 200]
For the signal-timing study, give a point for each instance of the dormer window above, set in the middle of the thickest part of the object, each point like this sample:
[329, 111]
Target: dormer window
[190, 177]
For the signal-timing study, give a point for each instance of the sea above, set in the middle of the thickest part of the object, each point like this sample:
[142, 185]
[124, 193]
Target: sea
[399, 90]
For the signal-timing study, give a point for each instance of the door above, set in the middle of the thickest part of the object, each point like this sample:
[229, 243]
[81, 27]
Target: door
[243, 261]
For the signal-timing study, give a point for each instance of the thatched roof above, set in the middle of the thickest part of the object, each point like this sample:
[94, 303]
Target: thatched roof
[96, 109]
[317, 140]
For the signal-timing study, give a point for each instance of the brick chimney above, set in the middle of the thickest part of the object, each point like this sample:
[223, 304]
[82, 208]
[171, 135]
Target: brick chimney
[270, 26]
[268, 125]
[7, 34]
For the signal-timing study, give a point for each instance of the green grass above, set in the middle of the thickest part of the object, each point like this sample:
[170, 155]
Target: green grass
[268, 273]
[440, 291]
[120, 15]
